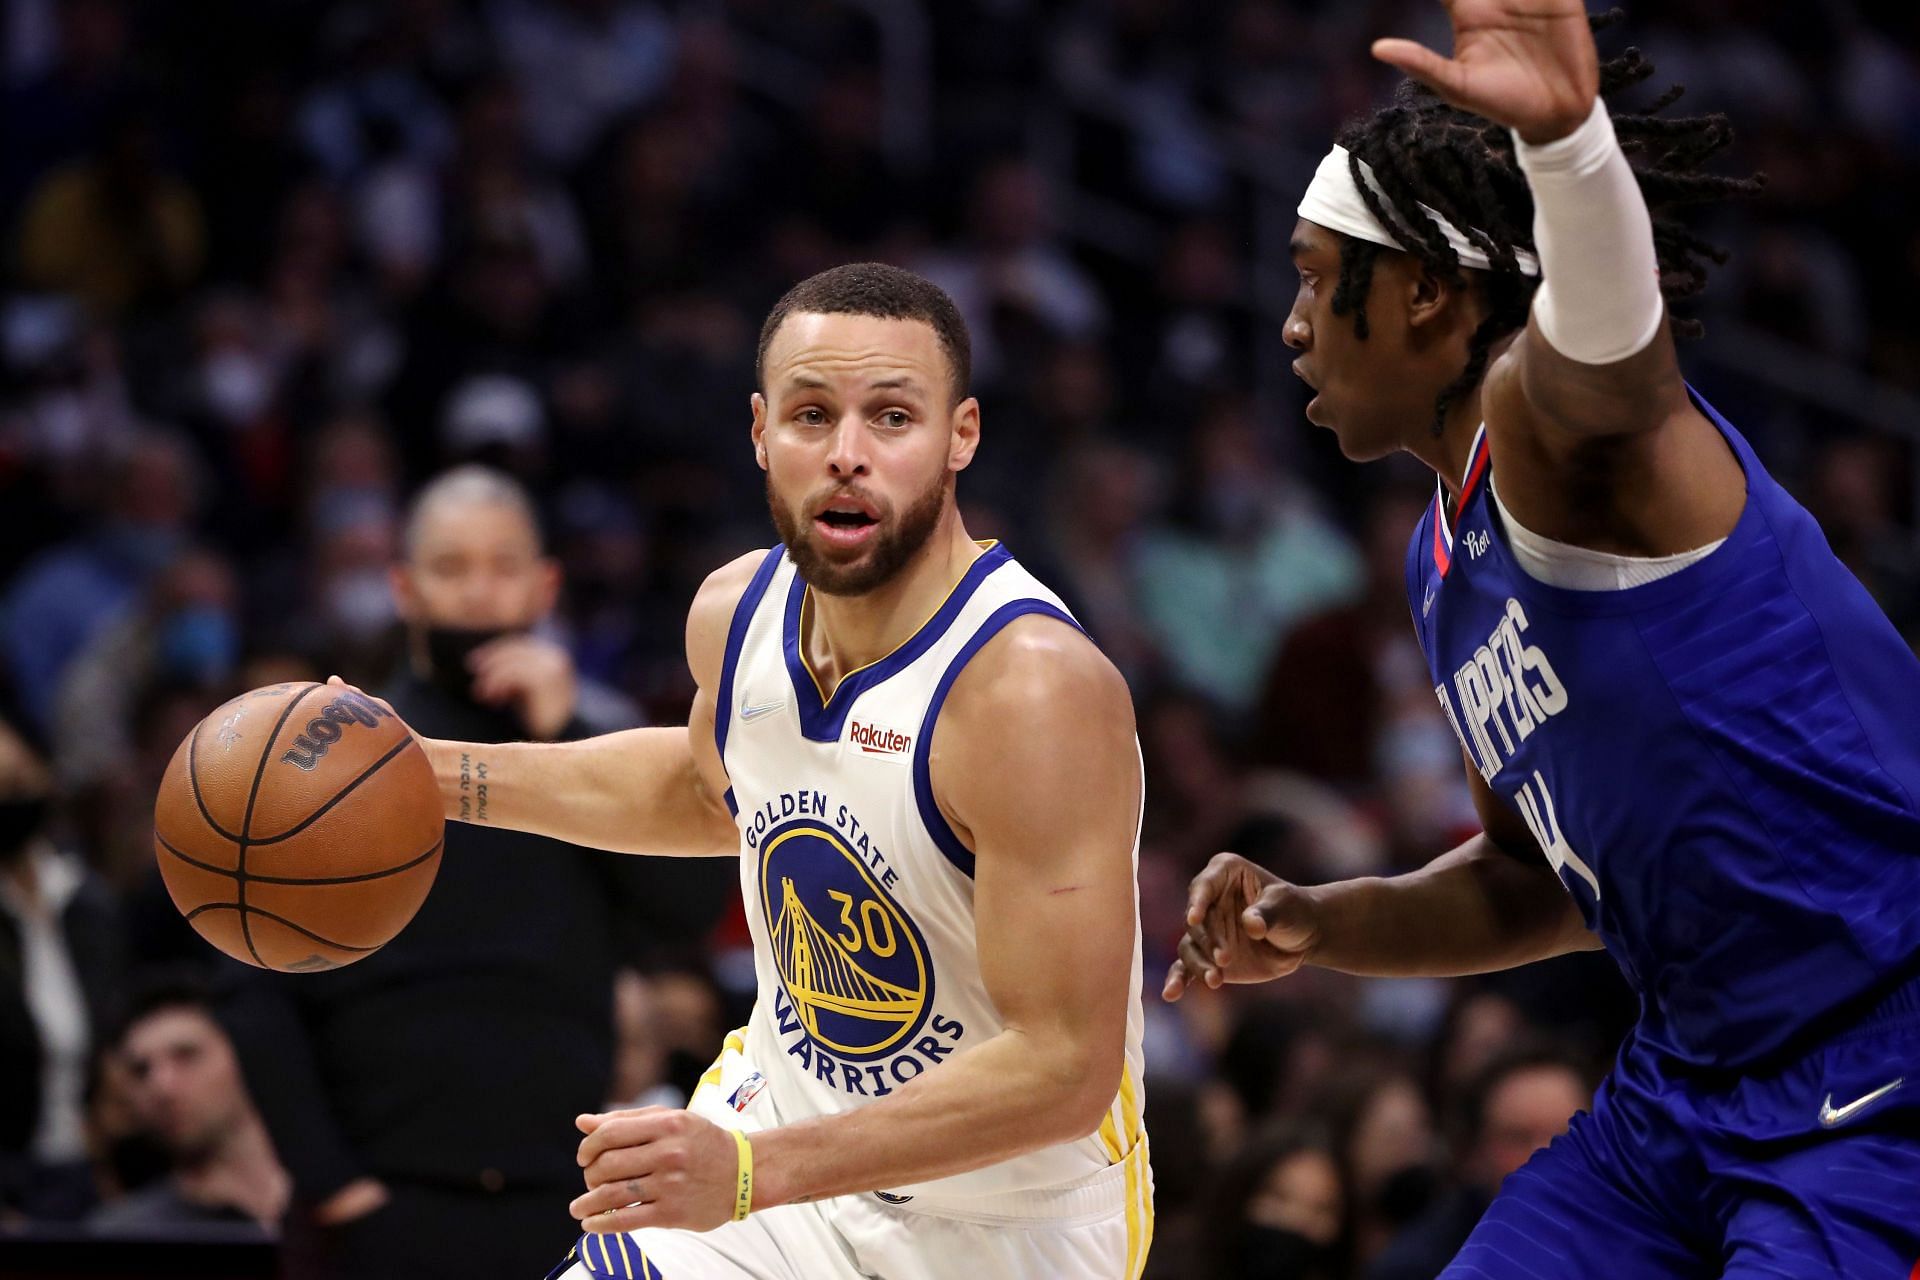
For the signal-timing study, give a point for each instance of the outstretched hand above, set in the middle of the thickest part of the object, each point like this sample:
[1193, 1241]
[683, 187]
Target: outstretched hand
[1528, 64]
[1244, 924]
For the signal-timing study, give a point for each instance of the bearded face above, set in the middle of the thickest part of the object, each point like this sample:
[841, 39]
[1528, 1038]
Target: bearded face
[847, 540]
[861, 440]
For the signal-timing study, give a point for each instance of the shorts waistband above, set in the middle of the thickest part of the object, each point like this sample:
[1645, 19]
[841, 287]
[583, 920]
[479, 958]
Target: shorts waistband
[1900, 1006]
[1100, 1195]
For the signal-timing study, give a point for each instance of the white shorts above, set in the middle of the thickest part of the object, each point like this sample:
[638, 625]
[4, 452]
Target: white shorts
[1096, 1229]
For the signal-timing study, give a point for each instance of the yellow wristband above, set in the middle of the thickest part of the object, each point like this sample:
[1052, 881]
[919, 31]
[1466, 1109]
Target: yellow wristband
[743, 1181]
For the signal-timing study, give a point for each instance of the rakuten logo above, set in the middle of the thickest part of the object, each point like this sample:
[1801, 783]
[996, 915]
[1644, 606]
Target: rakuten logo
[877, 740]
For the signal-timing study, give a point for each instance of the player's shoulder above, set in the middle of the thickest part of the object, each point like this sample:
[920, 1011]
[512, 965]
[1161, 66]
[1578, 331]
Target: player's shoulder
[1041, 671]
[711, 615]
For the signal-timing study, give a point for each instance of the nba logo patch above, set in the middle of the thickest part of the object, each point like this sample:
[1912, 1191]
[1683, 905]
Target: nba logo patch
[749, 1090]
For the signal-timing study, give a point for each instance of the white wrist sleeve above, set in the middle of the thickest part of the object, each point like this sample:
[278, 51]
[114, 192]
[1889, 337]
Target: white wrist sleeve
[1599, 300]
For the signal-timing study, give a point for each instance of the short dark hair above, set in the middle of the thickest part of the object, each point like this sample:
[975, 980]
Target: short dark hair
[875, 289]
[172, 988]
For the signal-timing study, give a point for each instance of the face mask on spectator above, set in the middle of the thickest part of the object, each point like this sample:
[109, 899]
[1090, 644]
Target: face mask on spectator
[21, 818]
[447, 651]
[1402, 1197]
[1272, 1253]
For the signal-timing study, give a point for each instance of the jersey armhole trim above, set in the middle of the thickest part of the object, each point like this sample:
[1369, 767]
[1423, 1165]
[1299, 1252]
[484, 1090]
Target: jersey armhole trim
[935, 822]
[736, 640]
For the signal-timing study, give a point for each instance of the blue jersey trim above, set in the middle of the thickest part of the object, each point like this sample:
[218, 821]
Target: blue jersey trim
[824, 720]
[736, 639]
[930, 816]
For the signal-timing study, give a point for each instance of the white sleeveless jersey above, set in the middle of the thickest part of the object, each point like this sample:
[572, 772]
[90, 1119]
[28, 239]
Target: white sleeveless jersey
[858, 893]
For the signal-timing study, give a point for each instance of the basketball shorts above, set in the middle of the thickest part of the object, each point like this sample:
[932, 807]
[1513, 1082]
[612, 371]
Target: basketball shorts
[1098, 1228]
[1811, 1171]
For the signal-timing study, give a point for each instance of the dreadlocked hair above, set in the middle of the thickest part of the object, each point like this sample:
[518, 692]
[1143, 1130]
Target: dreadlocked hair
[1424, 151]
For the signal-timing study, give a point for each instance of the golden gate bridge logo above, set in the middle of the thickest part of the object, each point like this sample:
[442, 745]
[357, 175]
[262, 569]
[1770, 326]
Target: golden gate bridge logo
[853, 965]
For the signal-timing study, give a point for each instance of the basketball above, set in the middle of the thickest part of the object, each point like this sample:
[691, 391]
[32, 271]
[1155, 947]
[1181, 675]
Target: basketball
[298, 827]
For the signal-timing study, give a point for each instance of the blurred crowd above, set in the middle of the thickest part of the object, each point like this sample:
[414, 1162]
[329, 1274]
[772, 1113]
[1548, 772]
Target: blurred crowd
[270, 267]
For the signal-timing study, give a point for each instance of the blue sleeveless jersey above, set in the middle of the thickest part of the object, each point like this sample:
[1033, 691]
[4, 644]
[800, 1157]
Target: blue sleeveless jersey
[1723, 765]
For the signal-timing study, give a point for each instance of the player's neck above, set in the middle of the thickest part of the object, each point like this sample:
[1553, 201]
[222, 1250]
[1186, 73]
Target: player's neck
[845, 633]
[1448, 452]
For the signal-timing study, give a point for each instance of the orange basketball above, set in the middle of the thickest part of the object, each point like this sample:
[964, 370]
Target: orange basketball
[299, 827]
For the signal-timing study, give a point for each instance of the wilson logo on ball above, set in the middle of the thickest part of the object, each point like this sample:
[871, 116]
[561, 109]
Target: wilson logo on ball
[325, 729]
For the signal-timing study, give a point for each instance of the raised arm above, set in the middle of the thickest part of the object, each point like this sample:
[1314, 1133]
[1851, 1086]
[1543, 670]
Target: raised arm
[1597, 356]
[1035, 766]
[655, 791]
[1595, 438]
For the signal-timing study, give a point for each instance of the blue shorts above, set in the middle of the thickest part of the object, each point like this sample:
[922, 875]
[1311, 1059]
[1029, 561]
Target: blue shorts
[1806, 1172]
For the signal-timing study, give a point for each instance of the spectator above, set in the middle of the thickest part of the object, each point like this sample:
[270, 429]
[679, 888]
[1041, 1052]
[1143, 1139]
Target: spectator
[223, 1180]
[185, 633]
[1385, 1142]
[61, 601]
[1098, 507]
[61, 967]
[118, 230]
[1013, 280]
[72, 100]
[1520, 1102]
[423, 1098]
[1244, 558]
[1280, 1211]
[583, 63]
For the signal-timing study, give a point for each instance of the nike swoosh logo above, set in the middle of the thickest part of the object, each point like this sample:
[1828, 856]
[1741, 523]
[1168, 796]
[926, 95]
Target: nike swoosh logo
[748, 713]
[1831, 1115]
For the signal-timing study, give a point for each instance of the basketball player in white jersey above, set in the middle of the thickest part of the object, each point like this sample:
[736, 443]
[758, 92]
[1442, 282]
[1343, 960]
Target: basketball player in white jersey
[930, 777]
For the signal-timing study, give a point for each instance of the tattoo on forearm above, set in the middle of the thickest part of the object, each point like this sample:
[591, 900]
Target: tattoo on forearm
[473, 788]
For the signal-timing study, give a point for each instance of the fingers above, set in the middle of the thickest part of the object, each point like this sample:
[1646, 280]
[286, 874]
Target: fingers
[627, 1129]
[337, 683]
[1282, 917]
[610, 1196]
[517, 665]
[1442, 75]
[1200, 964]
[1208, 886]
[588, 1122]
[1176, 984]
[631, 1218]
[499, 669]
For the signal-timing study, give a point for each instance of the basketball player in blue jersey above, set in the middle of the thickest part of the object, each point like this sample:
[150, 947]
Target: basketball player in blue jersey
[1691, 735]
[930, 777]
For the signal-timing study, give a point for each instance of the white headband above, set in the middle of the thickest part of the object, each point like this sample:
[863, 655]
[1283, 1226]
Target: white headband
[1334, 201]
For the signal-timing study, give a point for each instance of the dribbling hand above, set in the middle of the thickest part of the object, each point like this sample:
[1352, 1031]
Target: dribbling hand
[655, 1167]
[1244, 924]
[1528, 64]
